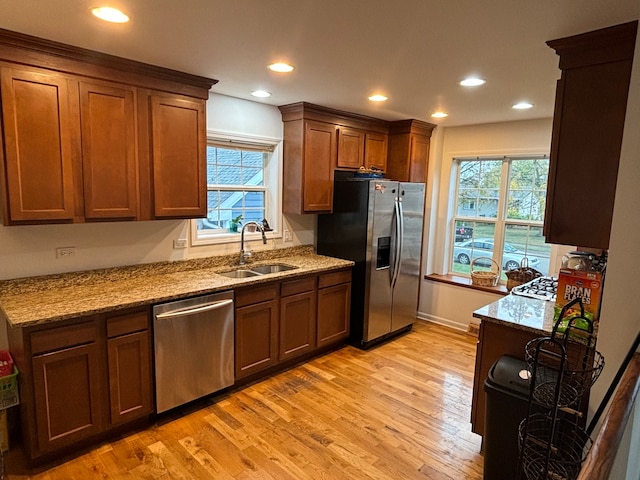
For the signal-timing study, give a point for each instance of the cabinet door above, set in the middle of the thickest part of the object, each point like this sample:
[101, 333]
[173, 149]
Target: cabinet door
[37, 123]
[585, 153]
[333, 313]
[107, 119]
[178, 151]
[67, 395]
[297, 324]
[375, 151]
[319, 163]
[129, 376]
[350, 148]
[588, 123]
[256, 337]
[418, 159]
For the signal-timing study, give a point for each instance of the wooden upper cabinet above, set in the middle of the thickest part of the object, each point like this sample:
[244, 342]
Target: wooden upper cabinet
[38, 147]
[109, 155]
[178, 151]
[319, 163]
[409, 143]
[357, 148]
[375, 151]
[88, 136]
[591, 102]
[317, 140]
[350, 148]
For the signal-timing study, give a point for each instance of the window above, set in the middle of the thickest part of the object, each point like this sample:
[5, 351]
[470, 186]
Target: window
[241, 186]
[499, 212]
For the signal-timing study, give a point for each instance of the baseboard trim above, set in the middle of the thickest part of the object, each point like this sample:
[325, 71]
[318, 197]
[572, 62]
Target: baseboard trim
[443, 321]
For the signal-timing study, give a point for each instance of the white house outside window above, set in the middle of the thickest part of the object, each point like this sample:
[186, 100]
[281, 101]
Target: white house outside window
[241, 186]
[499, 212]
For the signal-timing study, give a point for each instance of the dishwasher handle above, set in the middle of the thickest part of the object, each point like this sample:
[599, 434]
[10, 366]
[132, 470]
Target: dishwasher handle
[199, 309]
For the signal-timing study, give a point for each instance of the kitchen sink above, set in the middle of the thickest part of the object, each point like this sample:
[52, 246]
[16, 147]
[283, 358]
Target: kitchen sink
[273, 268]
[242, 273]
[258, 270]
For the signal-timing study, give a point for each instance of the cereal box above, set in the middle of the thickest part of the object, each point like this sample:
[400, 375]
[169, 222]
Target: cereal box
[574, 284]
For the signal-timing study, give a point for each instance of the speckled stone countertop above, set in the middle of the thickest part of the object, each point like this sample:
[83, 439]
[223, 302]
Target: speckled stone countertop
[519, 312]
[36, 300]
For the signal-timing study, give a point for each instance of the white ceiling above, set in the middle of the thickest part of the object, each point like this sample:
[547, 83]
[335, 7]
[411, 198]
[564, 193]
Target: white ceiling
[414, 51]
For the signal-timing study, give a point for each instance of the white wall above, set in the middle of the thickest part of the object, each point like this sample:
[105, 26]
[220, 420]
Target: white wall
[620, 313]
[449, 304]
[30, 250]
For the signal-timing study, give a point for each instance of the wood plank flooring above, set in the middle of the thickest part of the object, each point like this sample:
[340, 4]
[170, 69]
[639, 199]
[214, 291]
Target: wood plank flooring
[398, 411]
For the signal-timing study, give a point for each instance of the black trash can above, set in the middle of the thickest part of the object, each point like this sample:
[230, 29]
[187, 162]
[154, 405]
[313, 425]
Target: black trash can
[507, 404]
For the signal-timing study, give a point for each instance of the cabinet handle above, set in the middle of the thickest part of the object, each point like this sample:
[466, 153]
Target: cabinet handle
[199, 309]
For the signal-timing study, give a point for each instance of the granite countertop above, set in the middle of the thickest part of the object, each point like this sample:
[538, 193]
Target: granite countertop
[36, 300]
[520, 312]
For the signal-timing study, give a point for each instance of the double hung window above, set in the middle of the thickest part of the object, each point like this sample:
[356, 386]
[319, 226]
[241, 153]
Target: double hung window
[241, 186]
[498, 214]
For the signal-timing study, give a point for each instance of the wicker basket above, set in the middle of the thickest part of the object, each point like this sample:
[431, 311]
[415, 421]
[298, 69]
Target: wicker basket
[485, 278]
[521, 275]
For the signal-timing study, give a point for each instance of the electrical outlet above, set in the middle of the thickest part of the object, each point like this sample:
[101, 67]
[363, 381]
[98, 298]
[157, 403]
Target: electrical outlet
[65, 252]
[287, 236]
[180, 243]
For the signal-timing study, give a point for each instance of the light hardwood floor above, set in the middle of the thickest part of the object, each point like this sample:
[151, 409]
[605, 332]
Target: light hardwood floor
[397, 411]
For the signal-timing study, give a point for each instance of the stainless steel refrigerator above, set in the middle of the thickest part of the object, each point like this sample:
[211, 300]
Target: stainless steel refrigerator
[377, 223]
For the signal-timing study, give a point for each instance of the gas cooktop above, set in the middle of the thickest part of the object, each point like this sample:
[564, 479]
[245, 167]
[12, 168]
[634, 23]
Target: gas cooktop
[542, 288]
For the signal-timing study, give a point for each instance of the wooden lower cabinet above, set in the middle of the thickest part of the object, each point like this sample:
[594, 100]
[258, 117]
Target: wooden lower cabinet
[67, 396]
[334, 296]
[75, 383]
[297, 317]
[282, 321]
[129, 362]
[256, 339]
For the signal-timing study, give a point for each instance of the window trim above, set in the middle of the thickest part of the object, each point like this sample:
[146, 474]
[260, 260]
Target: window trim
[273, 186]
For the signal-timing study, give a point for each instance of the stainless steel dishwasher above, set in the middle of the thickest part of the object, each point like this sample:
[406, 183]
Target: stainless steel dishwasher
[193, 346]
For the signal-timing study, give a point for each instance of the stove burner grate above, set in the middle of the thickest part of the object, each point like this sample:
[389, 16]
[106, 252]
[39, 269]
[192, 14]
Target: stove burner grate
[542, 288]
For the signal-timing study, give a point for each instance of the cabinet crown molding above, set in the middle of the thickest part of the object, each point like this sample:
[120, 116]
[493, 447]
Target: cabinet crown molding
[416, 127]
[310, 111]
[606, 45]
[39, 52]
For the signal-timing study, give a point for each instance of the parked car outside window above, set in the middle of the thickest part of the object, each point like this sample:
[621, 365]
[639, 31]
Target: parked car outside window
[467, 251]
[463, 233]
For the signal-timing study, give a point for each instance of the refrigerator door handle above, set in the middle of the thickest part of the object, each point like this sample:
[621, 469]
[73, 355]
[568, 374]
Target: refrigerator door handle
[398, 244]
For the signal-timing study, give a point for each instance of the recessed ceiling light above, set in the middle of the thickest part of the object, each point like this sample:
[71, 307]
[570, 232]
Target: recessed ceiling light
[439, 115]
[378, 98]
[472, 82]
[261, 93]
[522, 106]
[281, 67]
[109, 14]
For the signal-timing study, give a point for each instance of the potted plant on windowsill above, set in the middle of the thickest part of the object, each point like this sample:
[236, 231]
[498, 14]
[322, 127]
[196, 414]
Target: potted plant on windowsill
[234, 223]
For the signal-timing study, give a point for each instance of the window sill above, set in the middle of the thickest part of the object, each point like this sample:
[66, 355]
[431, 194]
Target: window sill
[466, 283]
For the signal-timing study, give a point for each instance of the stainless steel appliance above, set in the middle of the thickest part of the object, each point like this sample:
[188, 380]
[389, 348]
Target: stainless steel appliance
[193, 346]
[377, 224]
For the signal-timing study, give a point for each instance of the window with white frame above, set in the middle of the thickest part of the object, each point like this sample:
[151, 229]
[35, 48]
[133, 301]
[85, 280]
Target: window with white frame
[242, 185]
[499, 213]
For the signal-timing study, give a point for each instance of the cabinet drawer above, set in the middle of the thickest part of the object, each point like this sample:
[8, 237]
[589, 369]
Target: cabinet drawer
[294, 287]
[251, 295]
[334, 278]
[124, 323]
[58, 338]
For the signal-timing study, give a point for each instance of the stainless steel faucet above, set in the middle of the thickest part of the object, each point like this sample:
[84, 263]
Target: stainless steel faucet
[243, 255]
